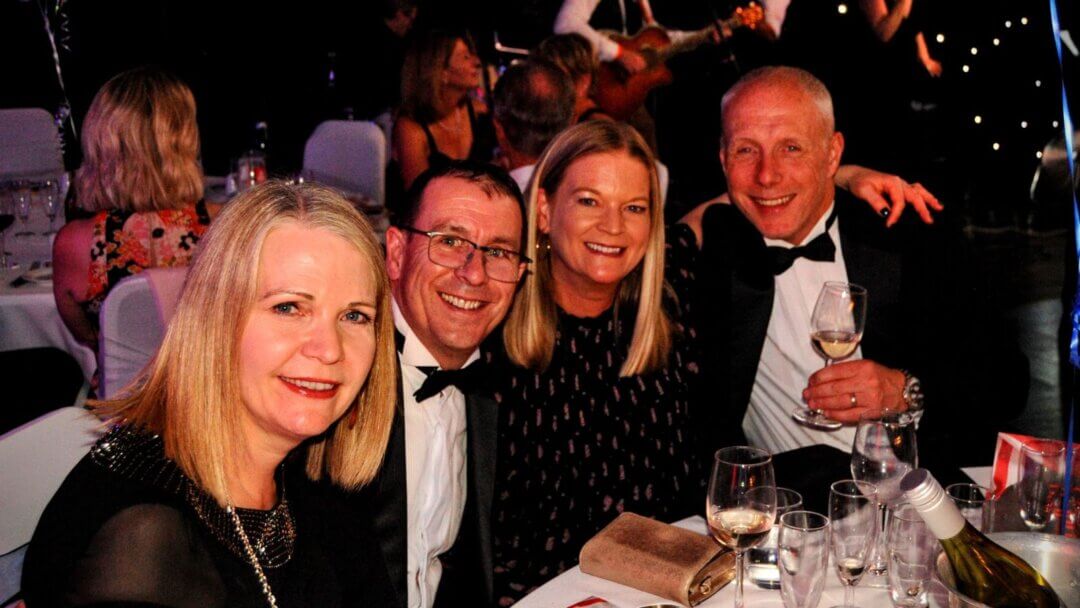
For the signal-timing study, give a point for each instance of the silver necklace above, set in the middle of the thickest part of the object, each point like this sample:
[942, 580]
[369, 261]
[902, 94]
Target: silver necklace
[252, 558]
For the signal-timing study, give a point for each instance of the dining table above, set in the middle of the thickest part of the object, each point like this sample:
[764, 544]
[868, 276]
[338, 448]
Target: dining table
[29, 317]
[807, 470]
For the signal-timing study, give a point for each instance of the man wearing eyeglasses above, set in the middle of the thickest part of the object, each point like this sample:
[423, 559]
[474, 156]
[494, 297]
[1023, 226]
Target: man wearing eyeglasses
[454, 261]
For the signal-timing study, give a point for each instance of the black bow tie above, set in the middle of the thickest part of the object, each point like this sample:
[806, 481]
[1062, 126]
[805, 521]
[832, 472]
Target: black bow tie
[820, 249]
[467, 380]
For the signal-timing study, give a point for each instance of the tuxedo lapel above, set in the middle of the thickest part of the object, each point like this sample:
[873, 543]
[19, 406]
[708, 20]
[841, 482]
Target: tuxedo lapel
[872, 261]
[389, 509]
[482, 414]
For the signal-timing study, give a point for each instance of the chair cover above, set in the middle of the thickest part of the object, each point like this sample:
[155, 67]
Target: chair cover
[29, 144]
[133, 320]
[350, 155]
[34, 460]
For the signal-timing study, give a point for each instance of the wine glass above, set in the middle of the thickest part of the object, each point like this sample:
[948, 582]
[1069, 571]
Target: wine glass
[836, 327]
[803, 557]
[50, 193]
[22, 199]
[741, 503]
[1040, 474]
[854, 515]
[884, 450]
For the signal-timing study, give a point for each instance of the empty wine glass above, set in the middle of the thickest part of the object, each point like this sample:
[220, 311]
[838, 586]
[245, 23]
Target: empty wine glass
[836, 327]
[22, 199]
[741, 503]
[50, 202]
[1040, 475]
[883, 452]
[911, 549]
[854, 515]
[803, 557]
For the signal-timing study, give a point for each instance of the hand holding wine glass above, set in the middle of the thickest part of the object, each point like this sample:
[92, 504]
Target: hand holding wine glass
[741, 504]
[853, 514]
[836, 327]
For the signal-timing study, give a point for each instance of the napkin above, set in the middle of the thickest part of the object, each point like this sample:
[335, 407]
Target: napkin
[658, 558]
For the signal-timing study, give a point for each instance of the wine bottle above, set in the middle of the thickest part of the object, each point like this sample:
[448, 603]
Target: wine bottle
[984, 571]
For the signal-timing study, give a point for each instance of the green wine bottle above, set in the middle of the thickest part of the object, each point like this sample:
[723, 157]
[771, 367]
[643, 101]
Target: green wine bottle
[985, 571]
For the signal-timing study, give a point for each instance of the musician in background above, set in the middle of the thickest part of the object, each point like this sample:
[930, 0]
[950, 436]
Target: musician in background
[573, 54]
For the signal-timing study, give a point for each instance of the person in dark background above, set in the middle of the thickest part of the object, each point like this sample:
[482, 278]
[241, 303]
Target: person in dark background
[370, 59]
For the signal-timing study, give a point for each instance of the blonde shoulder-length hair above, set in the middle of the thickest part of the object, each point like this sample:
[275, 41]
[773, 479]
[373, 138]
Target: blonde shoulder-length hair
[529, 333]
[189, 393]
[140, 145]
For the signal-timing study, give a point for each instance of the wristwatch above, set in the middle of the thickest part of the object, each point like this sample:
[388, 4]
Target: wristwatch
[912, 394]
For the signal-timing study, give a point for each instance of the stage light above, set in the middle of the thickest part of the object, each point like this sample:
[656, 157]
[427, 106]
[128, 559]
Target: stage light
[941, 38]
[841, 8]
[978, 119]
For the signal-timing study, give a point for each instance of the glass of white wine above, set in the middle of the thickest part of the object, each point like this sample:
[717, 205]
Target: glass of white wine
[853, 512]
[741, 504]
[836, 327]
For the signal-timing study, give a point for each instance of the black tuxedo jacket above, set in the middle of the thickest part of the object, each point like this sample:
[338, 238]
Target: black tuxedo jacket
[926, 313]
[467, 578]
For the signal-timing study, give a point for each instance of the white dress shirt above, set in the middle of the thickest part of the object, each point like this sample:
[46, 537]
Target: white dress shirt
[435, 457]
[788, 358]
[574, 16]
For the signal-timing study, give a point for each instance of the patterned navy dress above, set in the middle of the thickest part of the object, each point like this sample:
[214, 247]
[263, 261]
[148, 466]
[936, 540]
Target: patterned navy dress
[578, 444]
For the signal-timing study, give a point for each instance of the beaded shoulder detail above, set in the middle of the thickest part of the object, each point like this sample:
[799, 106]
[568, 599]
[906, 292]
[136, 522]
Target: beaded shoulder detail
[139, 456]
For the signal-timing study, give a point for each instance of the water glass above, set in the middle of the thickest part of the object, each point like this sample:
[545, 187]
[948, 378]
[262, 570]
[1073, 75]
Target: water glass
[804, 545]
[1040, 472]
[912, 549]
[22, 198]
[761, 560]
[975, 503]
[49, 192]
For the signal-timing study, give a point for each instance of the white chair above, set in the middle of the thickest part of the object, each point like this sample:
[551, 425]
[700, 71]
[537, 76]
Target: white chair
[29, 144]
[133, 319]
[34, 460]
[350, 155]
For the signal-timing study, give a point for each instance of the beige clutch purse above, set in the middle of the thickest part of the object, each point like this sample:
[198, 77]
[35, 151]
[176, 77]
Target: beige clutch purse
[658, 558]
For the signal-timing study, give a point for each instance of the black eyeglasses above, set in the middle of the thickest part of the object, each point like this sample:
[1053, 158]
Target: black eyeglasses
[452, 251]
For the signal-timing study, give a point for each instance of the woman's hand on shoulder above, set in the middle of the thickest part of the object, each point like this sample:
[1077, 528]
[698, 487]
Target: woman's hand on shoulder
[888, 194]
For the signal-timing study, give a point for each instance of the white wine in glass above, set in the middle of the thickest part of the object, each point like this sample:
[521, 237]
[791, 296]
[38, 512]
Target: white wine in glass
[741, 504]
[836, 327]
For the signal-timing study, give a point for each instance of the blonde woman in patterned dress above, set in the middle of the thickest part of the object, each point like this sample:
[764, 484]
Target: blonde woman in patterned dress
[142, 179]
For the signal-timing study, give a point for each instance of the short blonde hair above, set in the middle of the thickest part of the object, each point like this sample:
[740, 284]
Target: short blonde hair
[140, 145]
[421, 73]
[529, 333]
[189, 394]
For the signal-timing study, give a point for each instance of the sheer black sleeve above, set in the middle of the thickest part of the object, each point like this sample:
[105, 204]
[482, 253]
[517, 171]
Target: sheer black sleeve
[146, 555]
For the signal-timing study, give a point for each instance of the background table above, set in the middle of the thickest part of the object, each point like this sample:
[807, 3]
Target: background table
[29, 319]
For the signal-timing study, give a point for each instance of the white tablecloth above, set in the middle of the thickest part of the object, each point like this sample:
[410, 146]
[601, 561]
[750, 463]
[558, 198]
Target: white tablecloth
[573, 586]
[29, 319]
